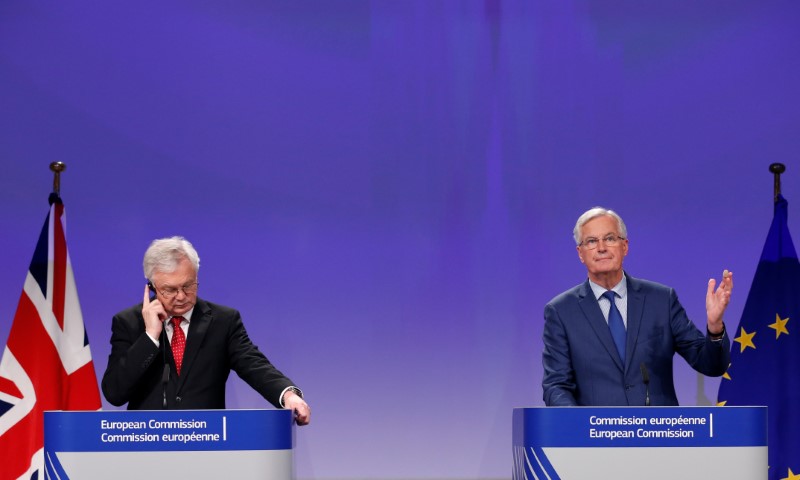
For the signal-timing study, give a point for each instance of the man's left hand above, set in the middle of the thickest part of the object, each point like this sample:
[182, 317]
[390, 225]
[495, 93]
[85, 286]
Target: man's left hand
[294, 402]
[717, 301]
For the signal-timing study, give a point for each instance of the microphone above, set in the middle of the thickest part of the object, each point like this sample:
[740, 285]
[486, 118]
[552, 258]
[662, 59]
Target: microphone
[165, 373]
[165, 381]
[646, 380]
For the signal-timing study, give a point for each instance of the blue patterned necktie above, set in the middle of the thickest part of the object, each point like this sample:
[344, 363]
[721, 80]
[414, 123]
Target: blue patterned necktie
[616, 325]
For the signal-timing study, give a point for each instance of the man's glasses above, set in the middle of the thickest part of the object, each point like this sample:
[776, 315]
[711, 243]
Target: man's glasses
[609, 240]
[170, 292]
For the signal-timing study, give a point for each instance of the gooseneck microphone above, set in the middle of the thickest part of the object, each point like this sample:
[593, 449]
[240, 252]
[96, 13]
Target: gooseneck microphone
[164, 342]
[165, 373]
[646, 380]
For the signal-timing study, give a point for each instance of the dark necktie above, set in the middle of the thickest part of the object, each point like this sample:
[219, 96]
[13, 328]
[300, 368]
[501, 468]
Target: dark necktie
[178, 343]
[616, 325]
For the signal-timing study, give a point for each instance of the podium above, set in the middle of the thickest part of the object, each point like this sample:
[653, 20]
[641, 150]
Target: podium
[169, 444]
[624, 443]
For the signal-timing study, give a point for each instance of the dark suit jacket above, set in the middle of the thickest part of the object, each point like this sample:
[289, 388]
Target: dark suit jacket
[216, 344]
[582, 365]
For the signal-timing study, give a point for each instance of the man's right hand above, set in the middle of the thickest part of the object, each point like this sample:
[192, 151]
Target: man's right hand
[154, 315]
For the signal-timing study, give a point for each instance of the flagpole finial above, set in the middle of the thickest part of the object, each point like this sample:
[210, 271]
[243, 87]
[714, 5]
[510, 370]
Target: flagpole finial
[57, 168]
[777, 169]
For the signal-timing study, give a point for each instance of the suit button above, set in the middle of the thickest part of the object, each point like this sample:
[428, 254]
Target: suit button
[628, 387]
[177, 399]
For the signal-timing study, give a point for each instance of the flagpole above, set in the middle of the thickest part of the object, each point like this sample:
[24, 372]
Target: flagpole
[57, 168]
[777, 169]
[47, 363]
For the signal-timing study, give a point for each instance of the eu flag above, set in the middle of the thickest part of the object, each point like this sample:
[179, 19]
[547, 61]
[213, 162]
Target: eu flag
[765, 357]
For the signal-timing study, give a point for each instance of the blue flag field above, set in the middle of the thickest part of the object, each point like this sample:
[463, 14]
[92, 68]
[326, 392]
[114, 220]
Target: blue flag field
[765, 357]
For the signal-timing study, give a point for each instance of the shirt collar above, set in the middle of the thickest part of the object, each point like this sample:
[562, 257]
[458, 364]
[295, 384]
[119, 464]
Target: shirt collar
[187, 317]
[620, 289]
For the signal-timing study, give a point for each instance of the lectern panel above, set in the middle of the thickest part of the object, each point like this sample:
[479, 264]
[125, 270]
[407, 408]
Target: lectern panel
[169, 444]
[640, 442]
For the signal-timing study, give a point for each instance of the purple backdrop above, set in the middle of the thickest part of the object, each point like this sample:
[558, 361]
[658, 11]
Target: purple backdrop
[386, 190]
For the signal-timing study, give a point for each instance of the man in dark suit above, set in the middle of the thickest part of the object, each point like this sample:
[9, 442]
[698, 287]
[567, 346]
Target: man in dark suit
[599, 353]
[175, 350]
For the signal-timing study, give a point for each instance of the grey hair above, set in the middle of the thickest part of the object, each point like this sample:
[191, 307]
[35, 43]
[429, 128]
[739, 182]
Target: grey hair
[164, 254]
[593, 213]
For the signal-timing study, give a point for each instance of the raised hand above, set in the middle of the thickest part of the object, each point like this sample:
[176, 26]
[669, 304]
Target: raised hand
[717, 301]
[153, 313]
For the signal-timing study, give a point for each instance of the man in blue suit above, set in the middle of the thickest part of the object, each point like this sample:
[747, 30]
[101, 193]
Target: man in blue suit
[599, 353]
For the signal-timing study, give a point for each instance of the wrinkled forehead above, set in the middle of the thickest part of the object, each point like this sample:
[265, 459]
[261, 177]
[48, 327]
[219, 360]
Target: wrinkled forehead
[179, 272]
[600, 226]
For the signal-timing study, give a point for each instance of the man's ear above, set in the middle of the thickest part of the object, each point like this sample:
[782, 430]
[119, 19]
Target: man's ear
[580, 254]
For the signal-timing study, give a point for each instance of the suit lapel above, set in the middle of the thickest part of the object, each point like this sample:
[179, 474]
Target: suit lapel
[635, 311]
[201, 319]
[591, 310]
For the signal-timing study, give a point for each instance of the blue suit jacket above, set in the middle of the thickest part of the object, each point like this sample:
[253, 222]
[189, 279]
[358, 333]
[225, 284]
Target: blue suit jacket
[582, 365]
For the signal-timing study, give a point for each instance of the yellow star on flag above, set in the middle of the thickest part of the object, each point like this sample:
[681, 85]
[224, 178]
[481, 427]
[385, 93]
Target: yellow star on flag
[722, 403]
[779, 326]
[791, 476]
[746, 340]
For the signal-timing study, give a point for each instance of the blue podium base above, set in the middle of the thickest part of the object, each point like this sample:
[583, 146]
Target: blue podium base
[169, 444]
[640, 442]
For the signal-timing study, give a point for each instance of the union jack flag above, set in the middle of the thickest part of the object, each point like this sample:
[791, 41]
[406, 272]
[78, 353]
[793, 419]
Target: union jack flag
[46, 364]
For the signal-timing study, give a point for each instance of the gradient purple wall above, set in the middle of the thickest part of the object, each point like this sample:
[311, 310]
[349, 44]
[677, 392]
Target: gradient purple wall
[386, 190]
